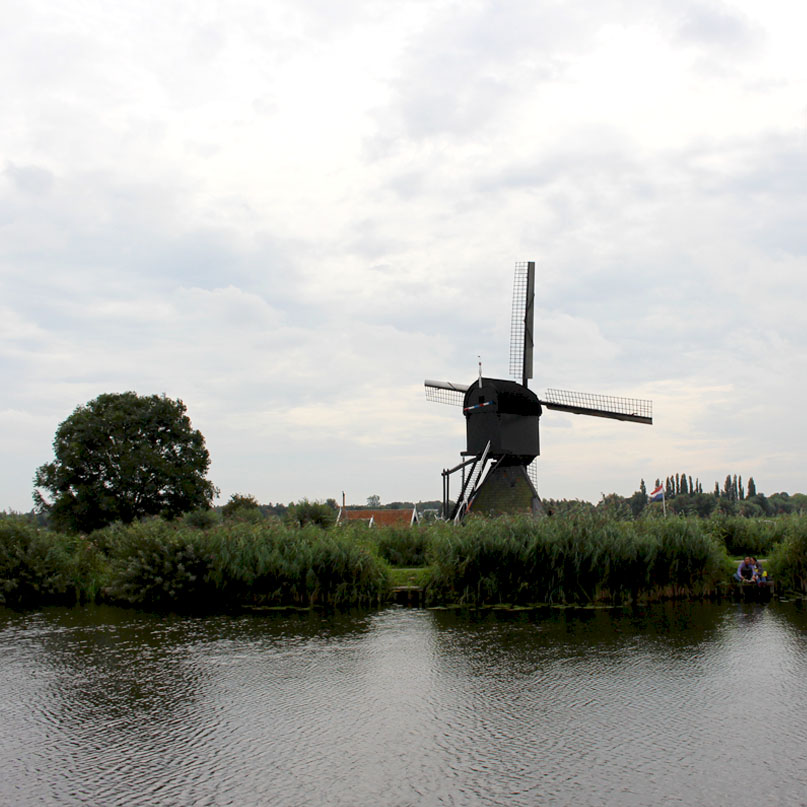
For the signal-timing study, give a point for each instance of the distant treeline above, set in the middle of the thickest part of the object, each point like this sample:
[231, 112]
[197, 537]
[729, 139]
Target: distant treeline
[684, 495]
[246, 506]
[306, 511]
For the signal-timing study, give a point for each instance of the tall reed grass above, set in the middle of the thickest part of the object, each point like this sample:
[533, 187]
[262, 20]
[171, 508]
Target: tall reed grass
[270, 563]
[788, 561]
[157, 564]
[747, 536]
[573, 560]
[401, 546]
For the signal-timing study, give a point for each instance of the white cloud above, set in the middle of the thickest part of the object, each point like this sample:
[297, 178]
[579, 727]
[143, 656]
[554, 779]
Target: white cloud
[289, 215]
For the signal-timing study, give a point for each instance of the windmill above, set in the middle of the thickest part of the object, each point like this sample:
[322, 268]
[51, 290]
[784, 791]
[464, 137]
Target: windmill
[502, 417]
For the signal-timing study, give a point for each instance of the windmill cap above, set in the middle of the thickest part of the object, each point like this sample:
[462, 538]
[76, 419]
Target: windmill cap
[502, 396]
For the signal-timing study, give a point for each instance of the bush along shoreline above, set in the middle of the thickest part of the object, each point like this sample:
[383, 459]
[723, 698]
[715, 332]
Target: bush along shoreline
[219, 565]
[585, 560]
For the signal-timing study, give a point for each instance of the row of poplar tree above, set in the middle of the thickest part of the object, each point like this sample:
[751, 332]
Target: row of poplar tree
[683, 484]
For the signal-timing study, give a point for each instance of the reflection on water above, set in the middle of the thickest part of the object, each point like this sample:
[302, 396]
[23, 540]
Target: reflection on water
[677, 704]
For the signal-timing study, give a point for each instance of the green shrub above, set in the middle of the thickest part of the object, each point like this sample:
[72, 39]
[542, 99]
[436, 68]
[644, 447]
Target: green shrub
[202, 519]
[242, 508]
[38, 566]
[306, 512]
[788, 561]
[155, 564]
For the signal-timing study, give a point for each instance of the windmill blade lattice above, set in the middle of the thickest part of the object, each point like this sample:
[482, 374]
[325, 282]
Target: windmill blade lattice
[445, 392]
[604, 406]
[521, 323]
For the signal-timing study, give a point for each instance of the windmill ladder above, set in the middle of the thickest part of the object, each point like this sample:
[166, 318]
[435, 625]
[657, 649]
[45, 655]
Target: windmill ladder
[470, 485]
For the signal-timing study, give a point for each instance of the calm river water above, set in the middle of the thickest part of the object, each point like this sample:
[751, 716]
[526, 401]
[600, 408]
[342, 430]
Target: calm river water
[677, 704]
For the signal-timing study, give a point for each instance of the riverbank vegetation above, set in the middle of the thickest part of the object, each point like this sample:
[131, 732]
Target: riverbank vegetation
[174, 565]
[129, 468]
[788, 561]
[201, 563]
[575, 560]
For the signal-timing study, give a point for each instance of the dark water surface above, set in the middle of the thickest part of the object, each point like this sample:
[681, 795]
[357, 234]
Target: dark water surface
[685, 704]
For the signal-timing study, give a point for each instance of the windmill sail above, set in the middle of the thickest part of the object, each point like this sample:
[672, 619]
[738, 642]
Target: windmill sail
[603, 406]
[521, 324]
[445, 392]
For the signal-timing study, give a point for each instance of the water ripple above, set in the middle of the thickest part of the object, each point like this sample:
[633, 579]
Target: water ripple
[672, 705]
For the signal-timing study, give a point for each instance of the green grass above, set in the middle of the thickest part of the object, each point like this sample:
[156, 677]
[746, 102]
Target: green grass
[418, 576]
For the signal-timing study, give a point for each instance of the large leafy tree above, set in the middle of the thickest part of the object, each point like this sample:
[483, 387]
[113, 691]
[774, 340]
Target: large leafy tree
[123, 456]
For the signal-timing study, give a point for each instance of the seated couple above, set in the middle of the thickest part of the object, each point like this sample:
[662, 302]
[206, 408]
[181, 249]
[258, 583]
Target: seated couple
[750, 570]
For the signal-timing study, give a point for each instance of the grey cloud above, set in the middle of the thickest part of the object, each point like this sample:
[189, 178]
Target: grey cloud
[717, 25]
[593, 154]
[759, 184]
[408, 185]
[370, 243]
[30, 178]
[206, 41]
[462, 103]
[456, 76]
[468, 70]
[658, 250]
[774, 167]
[137, 228]
[786, 234]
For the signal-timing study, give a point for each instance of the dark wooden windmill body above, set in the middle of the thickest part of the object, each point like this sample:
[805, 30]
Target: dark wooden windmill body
[502, 421]
[504, 415]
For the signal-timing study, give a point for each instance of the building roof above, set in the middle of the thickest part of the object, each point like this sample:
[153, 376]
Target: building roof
[377, 518]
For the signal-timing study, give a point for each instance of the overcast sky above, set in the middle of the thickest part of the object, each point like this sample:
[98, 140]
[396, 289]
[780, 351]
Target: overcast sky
[290, 213]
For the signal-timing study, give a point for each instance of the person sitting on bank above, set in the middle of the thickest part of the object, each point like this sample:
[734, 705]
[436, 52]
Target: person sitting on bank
[759, 575]
[745, 571]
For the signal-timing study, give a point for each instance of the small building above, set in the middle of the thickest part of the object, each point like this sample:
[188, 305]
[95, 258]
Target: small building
[379, 518]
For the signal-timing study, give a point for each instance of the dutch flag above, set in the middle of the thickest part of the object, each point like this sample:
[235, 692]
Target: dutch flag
[658, 494]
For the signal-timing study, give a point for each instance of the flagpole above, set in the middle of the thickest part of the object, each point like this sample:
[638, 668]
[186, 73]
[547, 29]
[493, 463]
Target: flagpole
[659, 489]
